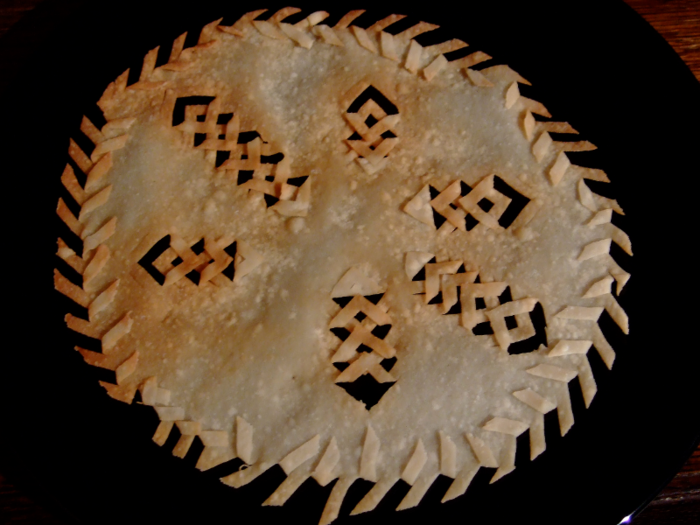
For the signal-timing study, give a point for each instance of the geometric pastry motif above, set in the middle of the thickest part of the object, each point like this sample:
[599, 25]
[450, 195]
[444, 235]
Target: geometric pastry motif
[243, 155]
[484, 308]
[373, 119]
[492, 202]
[207, 260]
[364, 358]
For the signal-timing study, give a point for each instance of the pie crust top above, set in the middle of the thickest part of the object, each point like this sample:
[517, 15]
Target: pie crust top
[336, 250]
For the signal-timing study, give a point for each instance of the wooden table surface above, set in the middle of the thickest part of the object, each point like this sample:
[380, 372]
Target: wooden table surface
[678, 21]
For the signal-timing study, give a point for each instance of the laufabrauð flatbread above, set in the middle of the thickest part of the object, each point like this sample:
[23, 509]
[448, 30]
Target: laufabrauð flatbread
[362, 260]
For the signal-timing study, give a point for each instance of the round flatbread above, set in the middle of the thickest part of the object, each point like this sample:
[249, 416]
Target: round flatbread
[336, 250]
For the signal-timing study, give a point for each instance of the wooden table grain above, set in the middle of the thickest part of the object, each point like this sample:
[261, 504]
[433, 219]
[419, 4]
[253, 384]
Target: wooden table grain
[678, 21]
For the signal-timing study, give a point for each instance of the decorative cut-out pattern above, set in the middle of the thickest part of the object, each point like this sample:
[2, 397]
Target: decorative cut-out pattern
[492, 202]
[244, 155]
[484, 307]
[364, 358]
[217, 261]
[373, 119]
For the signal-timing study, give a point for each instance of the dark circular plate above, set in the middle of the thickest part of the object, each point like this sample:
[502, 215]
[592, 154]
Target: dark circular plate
[595, 64]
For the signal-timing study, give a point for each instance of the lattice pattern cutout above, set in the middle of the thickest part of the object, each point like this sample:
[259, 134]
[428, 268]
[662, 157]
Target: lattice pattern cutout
[363, 324]
[373, 119]
[217, 261]
[243, 155]
[492, 202]
[484, 307]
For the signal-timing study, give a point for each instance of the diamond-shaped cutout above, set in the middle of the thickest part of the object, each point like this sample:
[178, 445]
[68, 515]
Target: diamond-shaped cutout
[492, 203]
[373, 119]
[363, 359]
[204, 261]
[367, 390]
